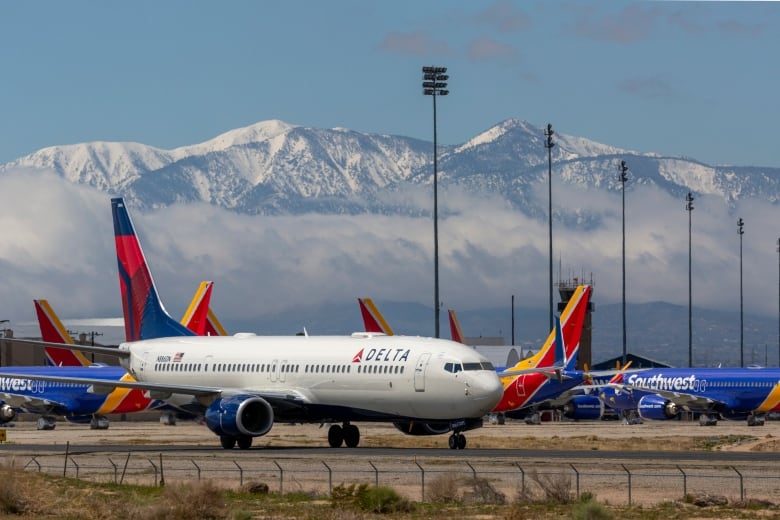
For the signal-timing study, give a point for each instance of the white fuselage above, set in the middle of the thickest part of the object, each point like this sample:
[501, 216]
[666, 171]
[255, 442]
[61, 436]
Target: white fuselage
[390, 376]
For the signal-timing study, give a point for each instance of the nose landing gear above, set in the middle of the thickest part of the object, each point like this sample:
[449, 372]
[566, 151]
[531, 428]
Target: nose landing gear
[457, 441]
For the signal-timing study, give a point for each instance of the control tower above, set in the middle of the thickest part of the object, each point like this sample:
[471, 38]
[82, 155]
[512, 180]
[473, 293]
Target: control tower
[566, 290]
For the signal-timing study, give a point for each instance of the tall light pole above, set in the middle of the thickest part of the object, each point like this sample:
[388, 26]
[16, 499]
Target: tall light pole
[689, 209]
[548, 133]
[435, 84]
[741, 231]
[623, 178]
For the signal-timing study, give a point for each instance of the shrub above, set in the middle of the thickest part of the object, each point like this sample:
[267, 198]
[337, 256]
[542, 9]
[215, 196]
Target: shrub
[443, 489]
[483, 492]
[370, 499]
[591, 510]
[202, 500]
[556, 487]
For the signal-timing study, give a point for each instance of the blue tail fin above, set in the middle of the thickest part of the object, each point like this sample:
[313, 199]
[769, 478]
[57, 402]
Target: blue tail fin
[560, 346]
[145, 316]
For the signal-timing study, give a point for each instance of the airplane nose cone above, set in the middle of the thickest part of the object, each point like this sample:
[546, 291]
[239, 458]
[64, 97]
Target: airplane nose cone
[486, 391]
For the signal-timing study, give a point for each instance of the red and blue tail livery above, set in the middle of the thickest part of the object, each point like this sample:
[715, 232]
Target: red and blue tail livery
[145, 316]
[54, 331]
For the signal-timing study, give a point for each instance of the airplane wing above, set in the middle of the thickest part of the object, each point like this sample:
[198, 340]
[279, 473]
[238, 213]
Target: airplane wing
[110, 351]
[204, 394]
[31, 404]
[683, 400]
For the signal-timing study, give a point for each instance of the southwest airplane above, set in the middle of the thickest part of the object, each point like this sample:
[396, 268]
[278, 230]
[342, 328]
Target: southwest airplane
[77, 402]
[529, 385]
[243, 384]
[728, 393]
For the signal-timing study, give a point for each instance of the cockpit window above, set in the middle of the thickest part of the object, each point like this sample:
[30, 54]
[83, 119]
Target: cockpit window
[472, 366]
[487, 365]
[453, 367]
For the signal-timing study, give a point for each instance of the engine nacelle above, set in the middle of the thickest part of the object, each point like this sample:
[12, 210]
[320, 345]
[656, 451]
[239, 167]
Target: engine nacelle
[656, 408]
[585, 407]
[6, 413]
[240, 415]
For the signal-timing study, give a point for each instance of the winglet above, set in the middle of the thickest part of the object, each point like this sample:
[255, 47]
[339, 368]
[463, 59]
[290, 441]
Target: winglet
[54, 331]
[560, 344]
[373, 321]
[196, 316]
[456, 333]
[145, 316]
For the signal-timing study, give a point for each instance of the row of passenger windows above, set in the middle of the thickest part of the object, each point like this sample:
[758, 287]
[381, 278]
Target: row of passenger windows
[271, 368]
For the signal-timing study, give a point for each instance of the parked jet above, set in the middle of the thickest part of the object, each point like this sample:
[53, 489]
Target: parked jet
[80, 403]
[728, 393]
[245, 383]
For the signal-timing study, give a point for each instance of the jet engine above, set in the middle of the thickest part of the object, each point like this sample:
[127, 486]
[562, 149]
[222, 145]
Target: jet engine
[656, 408]
[6, 413]
[586, 407]
[239, 415]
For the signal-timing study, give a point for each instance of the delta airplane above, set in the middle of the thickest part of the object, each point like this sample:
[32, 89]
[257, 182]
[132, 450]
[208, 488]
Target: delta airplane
[79, 402]
[536, 382]
[728, 393]
[243, 384]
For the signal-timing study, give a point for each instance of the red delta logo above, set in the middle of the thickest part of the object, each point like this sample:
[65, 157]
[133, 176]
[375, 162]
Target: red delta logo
[382, 354]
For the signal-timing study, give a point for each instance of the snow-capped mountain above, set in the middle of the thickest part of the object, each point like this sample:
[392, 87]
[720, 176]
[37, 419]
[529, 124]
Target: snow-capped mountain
[274, 167]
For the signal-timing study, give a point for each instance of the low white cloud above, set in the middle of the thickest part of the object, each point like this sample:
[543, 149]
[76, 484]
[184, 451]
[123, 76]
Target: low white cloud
[57, 243]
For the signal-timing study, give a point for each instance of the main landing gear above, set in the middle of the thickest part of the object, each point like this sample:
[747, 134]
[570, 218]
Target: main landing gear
[244, 442]
[349, 435]
[457, 441]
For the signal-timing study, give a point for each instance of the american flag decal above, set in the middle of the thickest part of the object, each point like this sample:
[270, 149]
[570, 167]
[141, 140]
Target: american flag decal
[177, 357]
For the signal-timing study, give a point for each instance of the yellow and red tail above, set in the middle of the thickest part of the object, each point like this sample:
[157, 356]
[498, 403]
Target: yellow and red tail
[373, 321]
[54, 331]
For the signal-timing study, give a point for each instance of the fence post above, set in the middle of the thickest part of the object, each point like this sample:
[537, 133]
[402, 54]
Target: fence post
[577, 473]
[629, 483]
[522, 478]
[155, 470]
[473, 471]
[685, 482]
[281, 478]
[162, 473]
[77, 466]
[196, 467]
[741, 485]
[330, 477]
[115, 469]
[376, 474]
[124, 470]
[67, 452]
[240, 474]
[422, 482]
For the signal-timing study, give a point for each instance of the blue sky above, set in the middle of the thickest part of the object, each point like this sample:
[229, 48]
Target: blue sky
[698, 79]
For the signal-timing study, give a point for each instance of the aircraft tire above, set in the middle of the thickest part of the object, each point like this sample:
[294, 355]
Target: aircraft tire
[335, 436]
[244, 442]
[461, 441]
[351, 435]
[227, 442]
[453, 442]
